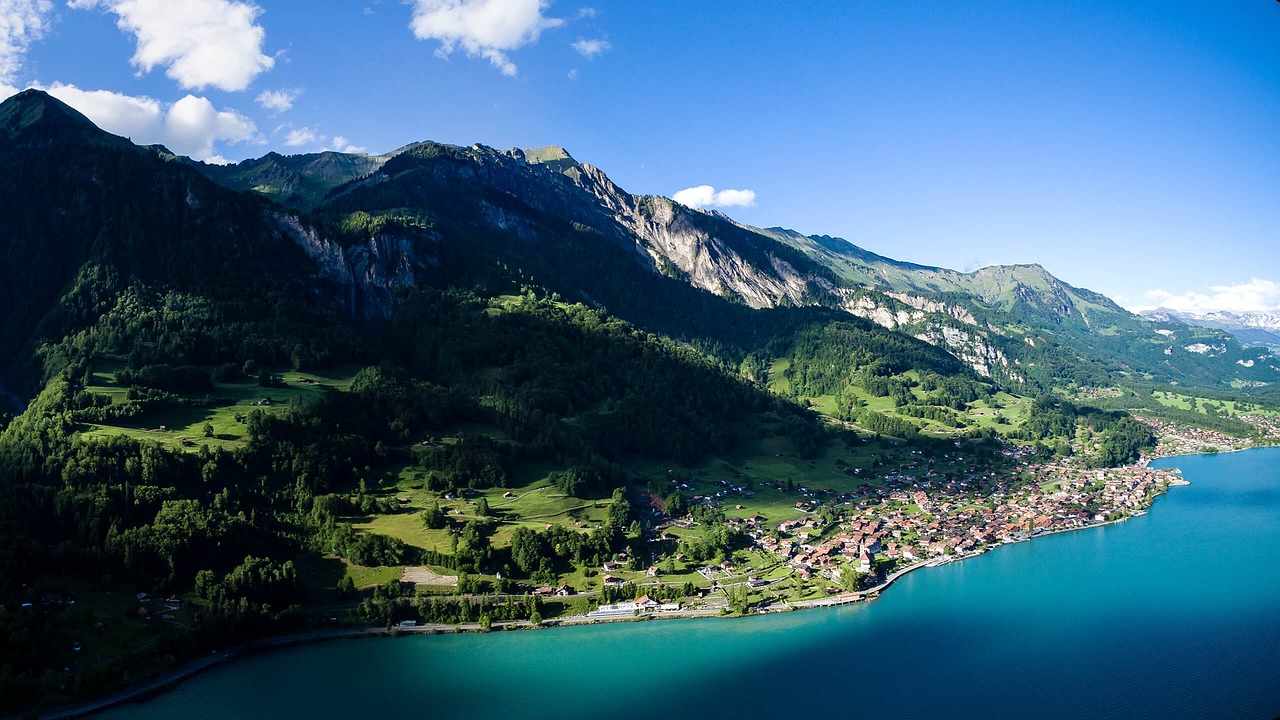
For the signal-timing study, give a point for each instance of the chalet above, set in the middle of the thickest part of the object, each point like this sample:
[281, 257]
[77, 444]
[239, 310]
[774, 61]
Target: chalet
[610, 566]
[613, 580]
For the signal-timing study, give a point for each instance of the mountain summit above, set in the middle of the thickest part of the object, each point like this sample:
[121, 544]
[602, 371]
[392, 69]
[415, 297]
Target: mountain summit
[36, 117]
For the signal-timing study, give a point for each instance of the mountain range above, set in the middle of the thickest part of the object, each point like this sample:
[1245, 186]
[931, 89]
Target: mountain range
[1015, 324]
[1250, 328]
[371, 227]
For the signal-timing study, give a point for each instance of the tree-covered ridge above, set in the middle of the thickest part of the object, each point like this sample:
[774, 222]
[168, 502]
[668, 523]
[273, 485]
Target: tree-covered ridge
[113, 215]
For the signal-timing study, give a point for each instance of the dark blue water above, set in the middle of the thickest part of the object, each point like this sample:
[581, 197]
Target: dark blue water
[1171, 615]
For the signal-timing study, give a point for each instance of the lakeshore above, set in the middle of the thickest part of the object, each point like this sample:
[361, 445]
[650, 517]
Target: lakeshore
[171, 679]
[1132, 488]
[967, 639]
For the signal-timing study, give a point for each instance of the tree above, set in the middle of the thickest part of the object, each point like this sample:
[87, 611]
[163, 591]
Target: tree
[346, 587]
[525, 549]
[482, 508]
[468, 584]
[208, 430]
[433, 517]
[619, 511]
[571, 482]
[677, 506]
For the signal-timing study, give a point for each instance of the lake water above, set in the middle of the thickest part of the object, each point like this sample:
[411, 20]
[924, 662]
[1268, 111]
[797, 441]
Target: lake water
[1172, 615]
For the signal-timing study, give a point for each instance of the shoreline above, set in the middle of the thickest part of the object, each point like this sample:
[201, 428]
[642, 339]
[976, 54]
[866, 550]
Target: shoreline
[171, 679]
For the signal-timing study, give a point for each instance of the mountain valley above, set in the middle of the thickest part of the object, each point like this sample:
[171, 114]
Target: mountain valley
[271, 392]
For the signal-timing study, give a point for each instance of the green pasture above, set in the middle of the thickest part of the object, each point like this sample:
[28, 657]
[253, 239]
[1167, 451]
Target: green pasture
[219, 408]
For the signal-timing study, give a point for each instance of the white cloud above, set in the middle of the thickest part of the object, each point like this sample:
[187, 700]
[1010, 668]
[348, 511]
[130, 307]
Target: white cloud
[202, 42]
[1257, 295]
[191, 126]
[485, 28]
[21, 23]
[591, 48]
[298, 137]
[277, 101]
[706, 196]
[342, 145]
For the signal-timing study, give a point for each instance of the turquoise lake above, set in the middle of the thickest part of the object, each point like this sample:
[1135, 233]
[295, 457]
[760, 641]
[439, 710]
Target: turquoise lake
[1172, 615]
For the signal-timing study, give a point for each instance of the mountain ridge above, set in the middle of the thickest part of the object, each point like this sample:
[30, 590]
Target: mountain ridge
[381, 225]
[1015, 323]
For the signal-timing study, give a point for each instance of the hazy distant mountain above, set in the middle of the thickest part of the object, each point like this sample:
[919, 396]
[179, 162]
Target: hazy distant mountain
[1250, 328]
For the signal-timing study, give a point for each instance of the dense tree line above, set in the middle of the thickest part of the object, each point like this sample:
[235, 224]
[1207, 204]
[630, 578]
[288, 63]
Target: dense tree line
[1121, 439]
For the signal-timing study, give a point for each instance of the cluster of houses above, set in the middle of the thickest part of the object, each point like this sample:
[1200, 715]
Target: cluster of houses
[907, 525]
[918, 515]
[1268, 425]
[1179, 440]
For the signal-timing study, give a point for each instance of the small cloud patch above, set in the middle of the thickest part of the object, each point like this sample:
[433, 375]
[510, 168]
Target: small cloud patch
[277, 101]
[704, 196]
[589, 49]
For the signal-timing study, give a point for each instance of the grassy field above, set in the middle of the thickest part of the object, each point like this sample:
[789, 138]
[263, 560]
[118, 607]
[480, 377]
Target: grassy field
[764, 476]
[1206, 406]
[224, 408]
[1003, 413]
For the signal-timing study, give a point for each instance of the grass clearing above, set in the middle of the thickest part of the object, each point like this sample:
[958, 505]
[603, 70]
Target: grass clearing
[223, 410]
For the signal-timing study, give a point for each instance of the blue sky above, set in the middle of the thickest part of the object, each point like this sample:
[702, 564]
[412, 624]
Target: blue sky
[1130, 147]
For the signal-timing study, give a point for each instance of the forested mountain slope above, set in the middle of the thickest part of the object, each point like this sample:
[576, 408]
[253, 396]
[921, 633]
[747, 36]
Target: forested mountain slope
[1017, 325]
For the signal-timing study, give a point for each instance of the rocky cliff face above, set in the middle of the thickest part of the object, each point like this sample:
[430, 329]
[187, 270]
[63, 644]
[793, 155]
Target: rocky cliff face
[695, 246]
[948, 326]
[370, 275]
[718, 255]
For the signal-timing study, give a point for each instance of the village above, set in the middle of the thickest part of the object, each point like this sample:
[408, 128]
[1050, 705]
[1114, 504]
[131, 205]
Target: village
[1180, 440]
[897, 525]
[858, 542]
